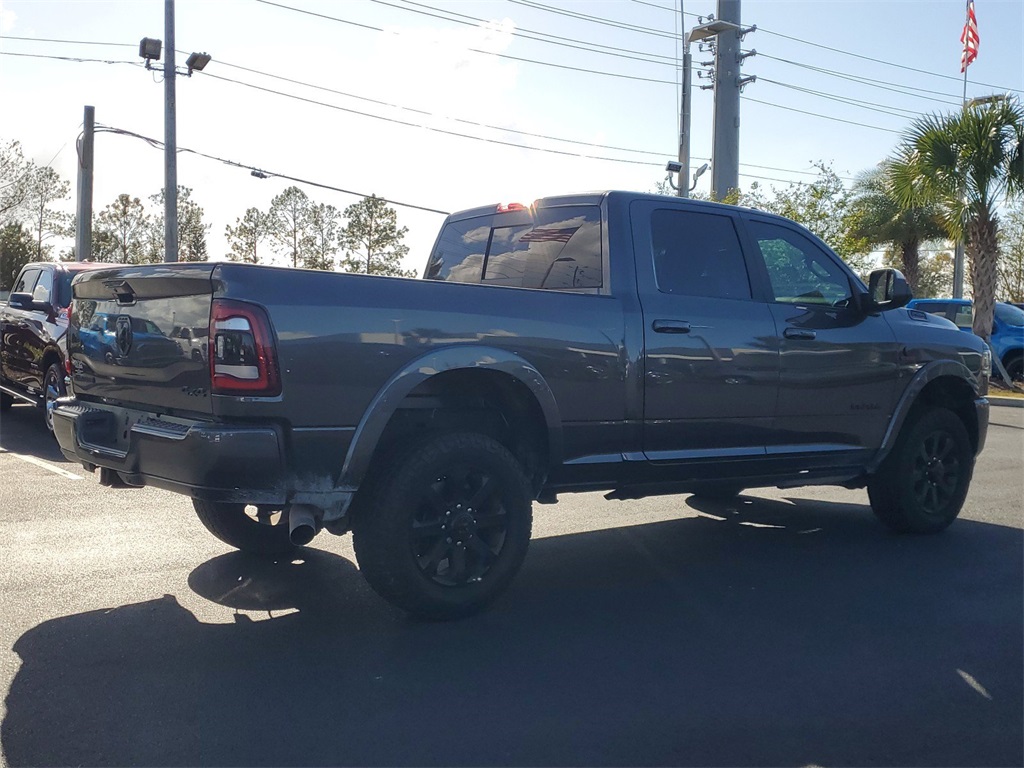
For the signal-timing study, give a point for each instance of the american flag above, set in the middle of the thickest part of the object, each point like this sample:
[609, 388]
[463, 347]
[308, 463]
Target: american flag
[550, 235]
[969, 38]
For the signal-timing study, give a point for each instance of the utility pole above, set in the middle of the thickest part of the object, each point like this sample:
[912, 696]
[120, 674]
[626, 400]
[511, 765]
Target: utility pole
[83, 226]
[684, 121]
[683, 190]
[725, 157]
[170, 140]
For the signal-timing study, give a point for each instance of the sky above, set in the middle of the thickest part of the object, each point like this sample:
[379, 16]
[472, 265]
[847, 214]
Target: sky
[449, 105]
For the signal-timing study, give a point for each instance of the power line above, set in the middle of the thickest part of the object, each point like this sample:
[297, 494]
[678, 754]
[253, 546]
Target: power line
[69, 58]
[528, 34]
[880, 61]
[433, 114]
[157, 144]
[870, 82]
[593, 19]
[56, 40]
[425, 127]
[823, 117]
[429, 114]
[905, 90]
[868, 105]
[507, 56]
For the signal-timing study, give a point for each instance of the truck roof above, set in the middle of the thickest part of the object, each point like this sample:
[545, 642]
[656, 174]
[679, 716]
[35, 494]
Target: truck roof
[590, 198]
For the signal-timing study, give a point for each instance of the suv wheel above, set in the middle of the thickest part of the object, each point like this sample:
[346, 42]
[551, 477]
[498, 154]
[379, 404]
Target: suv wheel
[446, 529]
[53, 387]
[1015, 369]
[922, 484]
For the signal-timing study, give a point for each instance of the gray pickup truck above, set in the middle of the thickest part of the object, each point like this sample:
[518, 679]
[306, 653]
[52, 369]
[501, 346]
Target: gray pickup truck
[629, 343]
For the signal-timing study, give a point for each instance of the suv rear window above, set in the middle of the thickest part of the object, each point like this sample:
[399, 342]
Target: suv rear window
[557, 248]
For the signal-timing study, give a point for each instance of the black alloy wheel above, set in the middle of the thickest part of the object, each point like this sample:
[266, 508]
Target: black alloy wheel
[936, 472]
[53, 387]
[460, 526]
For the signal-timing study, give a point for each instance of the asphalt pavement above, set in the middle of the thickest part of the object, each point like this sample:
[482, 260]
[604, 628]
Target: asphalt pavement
[788, 628]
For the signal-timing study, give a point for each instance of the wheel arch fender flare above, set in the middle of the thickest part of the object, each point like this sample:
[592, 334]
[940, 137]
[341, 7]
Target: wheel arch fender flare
[933, 371]
[476, 357]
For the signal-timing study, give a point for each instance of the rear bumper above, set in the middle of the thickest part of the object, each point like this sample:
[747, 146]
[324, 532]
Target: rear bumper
[211, 461]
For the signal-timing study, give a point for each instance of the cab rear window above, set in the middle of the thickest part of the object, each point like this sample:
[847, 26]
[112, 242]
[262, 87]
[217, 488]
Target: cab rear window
[557, 248]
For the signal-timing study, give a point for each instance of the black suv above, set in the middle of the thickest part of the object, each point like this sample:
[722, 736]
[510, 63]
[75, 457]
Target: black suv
[33, 323]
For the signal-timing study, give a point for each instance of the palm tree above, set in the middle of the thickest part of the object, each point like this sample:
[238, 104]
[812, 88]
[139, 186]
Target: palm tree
[878, 218]
[967, 163]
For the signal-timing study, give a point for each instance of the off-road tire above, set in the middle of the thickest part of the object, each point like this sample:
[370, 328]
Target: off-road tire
[446, 526]
[230, 524]
[53, 387]
[922, 484]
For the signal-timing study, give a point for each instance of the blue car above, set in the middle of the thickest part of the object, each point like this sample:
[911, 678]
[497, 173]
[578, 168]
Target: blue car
[1007, 328]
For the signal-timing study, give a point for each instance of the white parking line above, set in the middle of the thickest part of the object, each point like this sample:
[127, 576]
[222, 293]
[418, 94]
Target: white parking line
[43, 464]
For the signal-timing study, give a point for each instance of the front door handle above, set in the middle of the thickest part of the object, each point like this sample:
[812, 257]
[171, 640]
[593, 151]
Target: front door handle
[670, 326]
[799, 333]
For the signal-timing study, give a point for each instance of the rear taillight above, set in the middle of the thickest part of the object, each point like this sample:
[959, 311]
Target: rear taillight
[243, 359]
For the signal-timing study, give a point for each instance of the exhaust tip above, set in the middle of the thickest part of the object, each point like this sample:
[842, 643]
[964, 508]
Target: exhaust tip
[301, 524]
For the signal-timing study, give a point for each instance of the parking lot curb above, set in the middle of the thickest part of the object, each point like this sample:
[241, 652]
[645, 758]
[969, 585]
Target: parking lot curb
[1012, 402]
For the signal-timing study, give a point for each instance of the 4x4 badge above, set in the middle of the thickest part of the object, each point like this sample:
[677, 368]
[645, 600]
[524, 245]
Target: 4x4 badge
[123, 331]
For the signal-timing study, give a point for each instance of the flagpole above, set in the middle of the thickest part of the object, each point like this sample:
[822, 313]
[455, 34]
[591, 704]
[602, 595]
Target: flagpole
[958, 253]
[963, 53]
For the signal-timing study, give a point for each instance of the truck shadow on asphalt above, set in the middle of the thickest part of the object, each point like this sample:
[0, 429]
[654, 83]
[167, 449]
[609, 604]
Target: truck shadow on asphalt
[22, 431]
[768, 632]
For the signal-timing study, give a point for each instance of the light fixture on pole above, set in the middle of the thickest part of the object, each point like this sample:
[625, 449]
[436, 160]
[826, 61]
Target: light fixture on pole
[149, 49]
[196, 62]
[673, 167]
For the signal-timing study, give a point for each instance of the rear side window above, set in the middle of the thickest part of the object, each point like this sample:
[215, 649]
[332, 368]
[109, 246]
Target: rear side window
[698, 254]
[1009, 314]
[64, 288]
[557, 248]
[44, 287]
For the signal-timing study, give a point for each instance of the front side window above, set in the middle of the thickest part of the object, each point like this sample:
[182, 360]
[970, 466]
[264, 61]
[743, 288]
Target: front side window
[27, 282]
[557, 248]
[698, 254]
[799, 271]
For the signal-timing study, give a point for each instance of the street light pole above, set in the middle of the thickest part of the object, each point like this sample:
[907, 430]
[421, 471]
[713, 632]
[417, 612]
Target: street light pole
[683, 189]
[83, 229]
[170, 141]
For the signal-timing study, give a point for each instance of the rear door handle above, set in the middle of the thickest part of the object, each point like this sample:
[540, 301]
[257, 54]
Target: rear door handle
[799, 333]
[670, 326]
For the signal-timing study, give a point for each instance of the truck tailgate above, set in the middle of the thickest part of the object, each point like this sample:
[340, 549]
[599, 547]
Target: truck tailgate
[139, 337]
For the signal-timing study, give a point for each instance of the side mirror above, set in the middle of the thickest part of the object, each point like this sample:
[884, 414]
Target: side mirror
[887, 289]
[26, 302]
